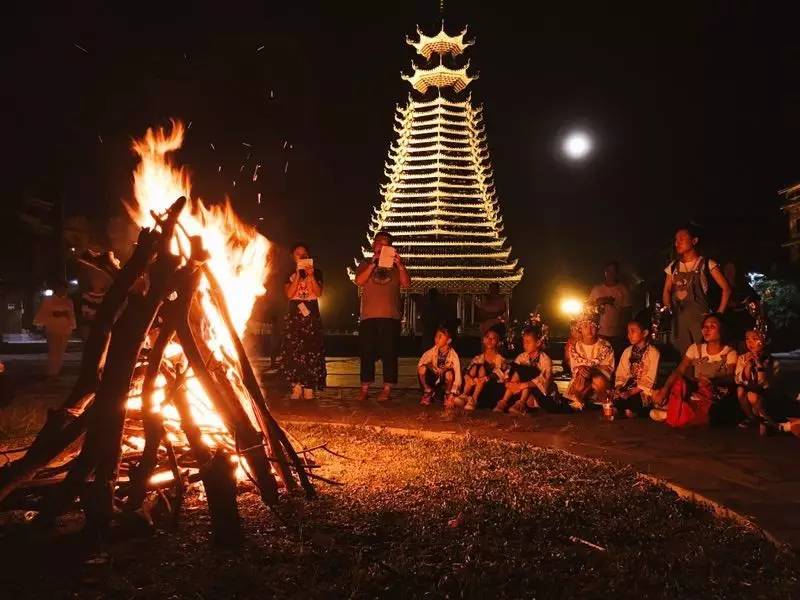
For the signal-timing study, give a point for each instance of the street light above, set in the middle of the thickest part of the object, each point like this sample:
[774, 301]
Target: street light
[571, 307]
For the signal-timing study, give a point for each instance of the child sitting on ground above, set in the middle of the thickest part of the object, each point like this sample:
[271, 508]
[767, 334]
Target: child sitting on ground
[591, 360]
[699, 390]
[530, 384]
[439, 370]
[486, 374]
[637, 371]
[755, 375]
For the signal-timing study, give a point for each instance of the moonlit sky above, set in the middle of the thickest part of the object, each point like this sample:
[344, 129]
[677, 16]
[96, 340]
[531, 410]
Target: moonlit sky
[695, 111]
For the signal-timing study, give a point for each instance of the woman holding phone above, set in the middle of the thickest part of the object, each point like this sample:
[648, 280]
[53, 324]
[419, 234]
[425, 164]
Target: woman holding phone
[303, 353]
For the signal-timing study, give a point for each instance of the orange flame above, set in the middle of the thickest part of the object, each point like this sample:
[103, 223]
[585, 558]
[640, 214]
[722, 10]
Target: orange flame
[238, 253]
[237, 259]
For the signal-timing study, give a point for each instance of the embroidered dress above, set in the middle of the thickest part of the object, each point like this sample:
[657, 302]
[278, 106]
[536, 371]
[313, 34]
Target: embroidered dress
[303, 352]
[638, 368]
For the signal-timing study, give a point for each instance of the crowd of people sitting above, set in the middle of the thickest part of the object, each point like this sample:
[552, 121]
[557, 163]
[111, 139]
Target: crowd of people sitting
[712, 384]
[610, 358]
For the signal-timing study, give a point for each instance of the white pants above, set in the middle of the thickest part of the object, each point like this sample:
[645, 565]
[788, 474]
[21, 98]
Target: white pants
[56, 347]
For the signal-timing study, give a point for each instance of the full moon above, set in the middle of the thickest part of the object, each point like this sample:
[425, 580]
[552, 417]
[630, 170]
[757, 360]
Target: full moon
[577, 145]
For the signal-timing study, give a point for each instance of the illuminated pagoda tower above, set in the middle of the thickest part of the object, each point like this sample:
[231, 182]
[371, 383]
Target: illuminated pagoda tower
[439, 201]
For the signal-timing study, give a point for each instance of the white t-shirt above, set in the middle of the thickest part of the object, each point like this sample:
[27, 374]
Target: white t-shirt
[611, 324]
[729, 353]
[431, 358]
[691, 266]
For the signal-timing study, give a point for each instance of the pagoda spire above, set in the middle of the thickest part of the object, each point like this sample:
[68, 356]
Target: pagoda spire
[439, 200]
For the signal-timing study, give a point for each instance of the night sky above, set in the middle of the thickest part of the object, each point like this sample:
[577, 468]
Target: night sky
[695, 108]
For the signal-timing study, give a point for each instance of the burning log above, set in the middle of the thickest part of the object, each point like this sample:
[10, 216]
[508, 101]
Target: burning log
[165, 361]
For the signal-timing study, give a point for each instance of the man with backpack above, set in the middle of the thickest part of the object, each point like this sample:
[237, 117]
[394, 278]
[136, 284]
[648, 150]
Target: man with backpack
[687, 289]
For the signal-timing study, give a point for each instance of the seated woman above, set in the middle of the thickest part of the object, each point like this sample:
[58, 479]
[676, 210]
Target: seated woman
[699, 391]
[636, 372]
[530, 383]
[485, 376]
[591, 360]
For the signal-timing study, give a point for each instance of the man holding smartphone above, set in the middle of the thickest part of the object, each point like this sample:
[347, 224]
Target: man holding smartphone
[379, 327]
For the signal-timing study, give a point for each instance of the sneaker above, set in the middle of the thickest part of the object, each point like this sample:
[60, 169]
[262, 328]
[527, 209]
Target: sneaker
[471, 404]
[426, 399]
[363, 395]
[658, 414]
[385, 394]
[518, 409]
[297, 391]
[308, 393]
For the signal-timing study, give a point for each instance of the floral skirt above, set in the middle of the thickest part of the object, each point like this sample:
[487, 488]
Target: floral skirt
[303, 352]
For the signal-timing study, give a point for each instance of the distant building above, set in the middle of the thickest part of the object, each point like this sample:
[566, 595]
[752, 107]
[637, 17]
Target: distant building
[791, 207]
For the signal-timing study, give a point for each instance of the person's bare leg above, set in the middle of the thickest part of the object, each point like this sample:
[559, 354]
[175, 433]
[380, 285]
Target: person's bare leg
[427, 391]
[479, 385]
[756, 404]
[449, 380]
[520, 406]
[469, 384]
[743, 397]
[502, 405]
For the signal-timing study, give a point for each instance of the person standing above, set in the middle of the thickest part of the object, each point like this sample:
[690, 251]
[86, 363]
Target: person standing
[379, 326]
[303, 353]
[614, 299]
[56, 315]
[686, 289]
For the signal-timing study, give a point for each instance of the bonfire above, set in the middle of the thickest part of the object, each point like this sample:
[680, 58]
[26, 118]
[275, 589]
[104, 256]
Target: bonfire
[166, 396]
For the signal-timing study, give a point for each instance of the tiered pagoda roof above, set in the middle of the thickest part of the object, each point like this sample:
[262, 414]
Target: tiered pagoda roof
[439, 198]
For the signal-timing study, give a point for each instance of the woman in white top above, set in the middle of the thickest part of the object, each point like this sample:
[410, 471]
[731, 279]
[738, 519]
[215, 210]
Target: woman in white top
[700, 390]
[56, 315]
[303, 353]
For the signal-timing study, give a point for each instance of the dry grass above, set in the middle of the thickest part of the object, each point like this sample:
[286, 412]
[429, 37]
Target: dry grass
[432, 518]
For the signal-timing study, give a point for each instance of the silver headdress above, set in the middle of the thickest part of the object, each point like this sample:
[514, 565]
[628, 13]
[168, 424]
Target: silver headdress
[761, 327]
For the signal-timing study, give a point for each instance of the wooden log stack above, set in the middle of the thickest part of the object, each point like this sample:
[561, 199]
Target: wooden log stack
[85, 450]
